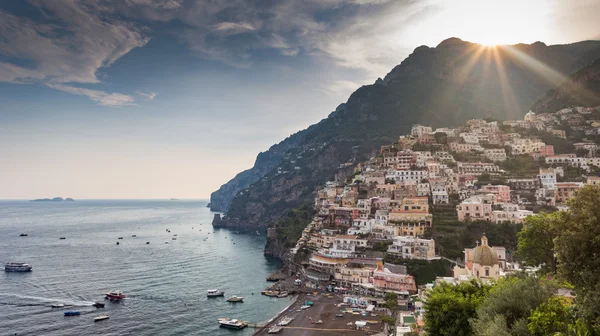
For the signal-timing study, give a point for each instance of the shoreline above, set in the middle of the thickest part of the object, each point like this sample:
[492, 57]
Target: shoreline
[272, 321]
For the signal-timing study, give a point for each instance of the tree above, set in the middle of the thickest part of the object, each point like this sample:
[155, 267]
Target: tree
[550, 317]
[448, 308]
[391, 303]
[536, 240]
[441, 137]
[577, 249]
[506, 309]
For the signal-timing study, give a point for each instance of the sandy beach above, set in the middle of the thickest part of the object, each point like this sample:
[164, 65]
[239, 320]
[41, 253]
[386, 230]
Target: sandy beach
[324, 309]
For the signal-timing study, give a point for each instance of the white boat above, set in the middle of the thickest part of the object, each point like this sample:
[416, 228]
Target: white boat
[57, 305]
[285, 321]
[235, 298]
[232, 323]
[283, 294]
[274, 329]
[101, 318]
[214, 293]
[17, 267]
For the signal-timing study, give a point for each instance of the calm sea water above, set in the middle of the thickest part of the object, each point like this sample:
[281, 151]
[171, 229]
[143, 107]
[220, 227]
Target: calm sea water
[165, 283]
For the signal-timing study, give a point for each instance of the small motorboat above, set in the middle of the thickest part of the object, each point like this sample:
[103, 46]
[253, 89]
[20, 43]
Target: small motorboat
[115, 295]
[174, 238]
[274, 330]
[62, 238]
[175, 235]
[120, 238]
[72, 313]
[17, 267]
[57, 305]
[134, 236]
[214, 293]
[282, 294]
[235, 298]
[101, 318]
[98, 305]
[23, 235]
[117, 243]
[232, 323]
[147, 243]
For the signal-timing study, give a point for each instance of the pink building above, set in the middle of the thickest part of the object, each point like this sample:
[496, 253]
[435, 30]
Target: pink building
[544, 151]
[501, 192]
[474, 208]
[385, 279]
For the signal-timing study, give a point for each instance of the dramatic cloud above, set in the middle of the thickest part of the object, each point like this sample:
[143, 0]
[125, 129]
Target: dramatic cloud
[149, 96]
[72, 47]
[100, 97]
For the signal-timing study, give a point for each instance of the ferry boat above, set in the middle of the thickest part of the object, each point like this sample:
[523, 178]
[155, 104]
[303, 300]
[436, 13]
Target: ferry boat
[115, 295]
[17, 267]
[235, 298]
[232, 323]
[214, 293]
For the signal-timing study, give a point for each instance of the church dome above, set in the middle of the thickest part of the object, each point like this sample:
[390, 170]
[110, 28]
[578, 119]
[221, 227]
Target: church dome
[484, 255]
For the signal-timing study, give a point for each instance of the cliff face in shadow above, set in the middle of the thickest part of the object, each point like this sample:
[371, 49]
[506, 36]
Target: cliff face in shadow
[441, 86]
[581, 89]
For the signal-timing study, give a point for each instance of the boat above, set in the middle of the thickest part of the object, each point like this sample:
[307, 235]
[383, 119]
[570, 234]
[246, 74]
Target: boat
[174, 238]
[285, 321]
[115, 295]
[23, 235]
[235, 298]
[72, 313]
[120, 238]
[62, 238]
[57, 305]
[232, 323]
[175, 235]
[283, 294]
[117, 243]
[274, 329]
[98, 305]
[214, 293]
[147, 243]
[17, 267]
[134, 236]
[101, 318]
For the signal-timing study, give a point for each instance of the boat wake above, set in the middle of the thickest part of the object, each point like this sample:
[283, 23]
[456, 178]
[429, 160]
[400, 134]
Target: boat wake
[26, 300]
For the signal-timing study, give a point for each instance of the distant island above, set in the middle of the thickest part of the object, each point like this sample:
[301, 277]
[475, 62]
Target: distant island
[174, 199]
[55, 199]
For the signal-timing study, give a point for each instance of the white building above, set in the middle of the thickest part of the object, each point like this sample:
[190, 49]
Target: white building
[547, 178]
[420, 130]
[470, 138]
[407, 175]
[495, 154]
[510, 213]
[413, 248]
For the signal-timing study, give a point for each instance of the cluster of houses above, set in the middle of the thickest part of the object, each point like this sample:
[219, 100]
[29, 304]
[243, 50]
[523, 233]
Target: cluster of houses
[385, 208]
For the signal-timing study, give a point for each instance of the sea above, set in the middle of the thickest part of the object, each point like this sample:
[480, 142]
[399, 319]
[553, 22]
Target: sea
[165, 281]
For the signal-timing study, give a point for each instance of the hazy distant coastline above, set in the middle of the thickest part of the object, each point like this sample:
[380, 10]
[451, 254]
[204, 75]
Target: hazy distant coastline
[55, 199]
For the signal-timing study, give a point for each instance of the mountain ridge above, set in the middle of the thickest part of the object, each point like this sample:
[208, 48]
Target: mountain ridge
[442, 86]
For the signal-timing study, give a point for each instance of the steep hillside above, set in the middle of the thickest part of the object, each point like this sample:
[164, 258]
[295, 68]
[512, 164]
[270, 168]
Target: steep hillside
[581, 89]
[440, 86]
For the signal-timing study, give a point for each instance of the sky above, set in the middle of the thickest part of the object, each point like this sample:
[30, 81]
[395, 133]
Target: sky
[171, 98]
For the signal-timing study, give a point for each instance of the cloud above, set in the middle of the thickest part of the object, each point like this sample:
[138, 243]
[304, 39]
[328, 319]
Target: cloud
[233, 27]
[341, 88]
[100, 97]
[357, 34]
[149, 96]
[71, 47]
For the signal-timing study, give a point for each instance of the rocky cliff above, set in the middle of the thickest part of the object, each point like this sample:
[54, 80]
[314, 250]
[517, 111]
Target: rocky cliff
[441, 86]
[581, 89]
